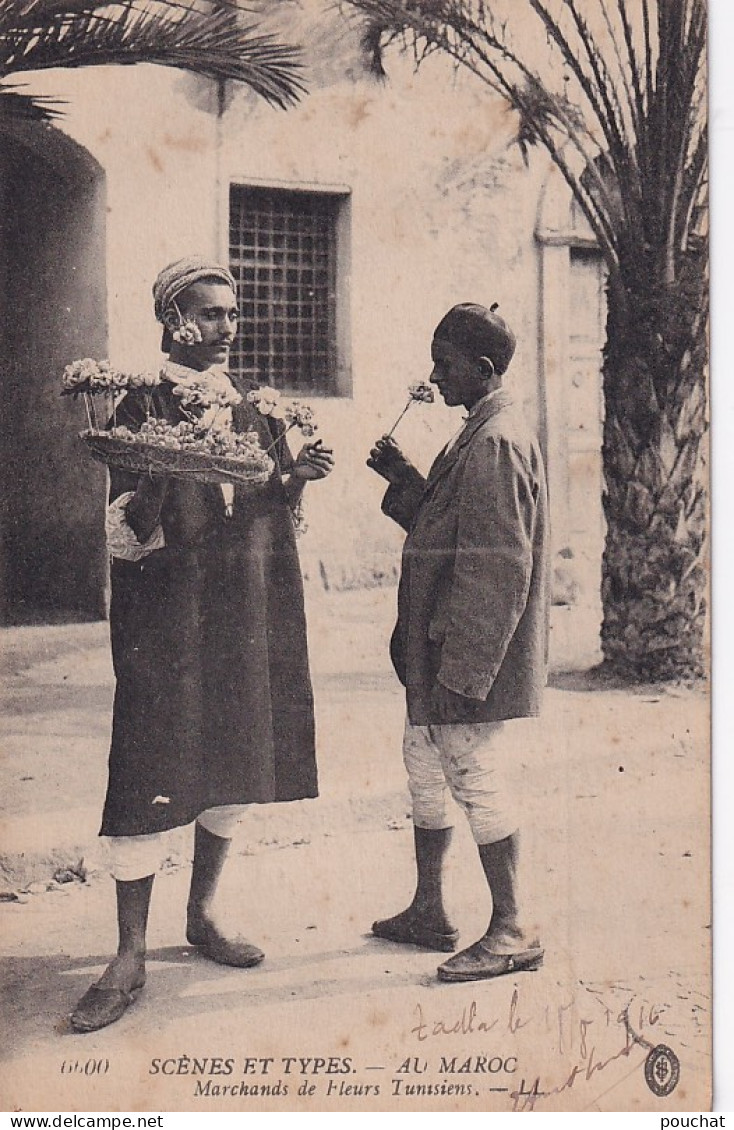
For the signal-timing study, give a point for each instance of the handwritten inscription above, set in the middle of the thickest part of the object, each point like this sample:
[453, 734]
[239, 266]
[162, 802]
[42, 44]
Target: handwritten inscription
[468, 1021]
[589, 1041]
[589, 1062]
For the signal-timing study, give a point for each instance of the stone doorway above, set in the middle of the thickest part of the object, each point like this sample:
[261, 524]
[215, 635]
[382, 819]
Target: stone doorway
[53, 305]
[571, 336]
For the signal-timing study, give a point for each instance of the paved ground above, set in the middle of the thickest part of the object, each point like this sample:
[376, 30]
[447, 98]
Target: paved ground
[616, 789]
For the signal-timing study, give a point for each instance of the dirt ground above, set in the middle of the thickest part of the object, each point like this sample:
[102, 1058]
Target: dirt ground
[616, 798]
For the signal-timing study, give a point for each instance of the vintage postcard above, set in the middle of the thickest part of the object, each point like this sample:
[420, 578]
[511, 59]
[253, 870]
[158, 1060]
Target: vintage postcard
[356, 718]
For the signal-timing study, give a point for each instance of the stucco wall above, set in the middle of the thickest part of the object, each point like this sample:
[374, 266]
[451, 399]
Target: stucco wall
[442, 210]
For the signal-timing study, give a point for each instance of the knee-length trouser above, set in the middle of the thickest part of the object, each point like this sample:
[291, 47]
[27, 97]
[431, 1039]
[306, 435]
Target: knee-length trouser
[471, 762]
[134, 857]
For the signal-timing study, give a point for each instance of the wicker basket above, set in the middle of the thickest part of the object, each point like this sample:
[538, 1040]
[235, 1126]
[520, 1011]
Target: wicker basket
[146, 458]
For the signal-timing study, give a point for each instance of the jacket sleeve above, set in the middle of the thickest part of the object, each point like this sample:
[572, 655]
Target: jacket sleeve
[401, 500]
[492, 568]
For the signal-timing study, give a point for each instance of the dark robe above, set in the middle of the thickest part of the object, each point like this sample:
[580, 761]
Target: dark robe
[213, 702]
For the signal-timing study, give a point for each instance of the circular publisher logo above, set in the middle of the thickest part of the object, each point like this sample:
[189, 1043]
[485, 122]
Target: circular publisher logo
[662, 1071]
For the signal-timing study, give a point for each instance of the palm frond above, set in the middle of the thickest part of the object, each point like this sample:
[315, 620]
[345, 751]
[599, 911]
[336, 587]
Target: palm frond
[599, 97]
[633, 64]
[598, 88]
[37, 13]
[632, 109]
[18, 107]
[647, 39]
[624, 78]
[676, 116]
[215, 45]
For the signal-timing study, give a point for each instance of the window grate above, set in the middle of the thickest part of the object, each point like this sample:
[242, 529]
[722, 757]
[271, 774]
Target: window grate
[283, 255]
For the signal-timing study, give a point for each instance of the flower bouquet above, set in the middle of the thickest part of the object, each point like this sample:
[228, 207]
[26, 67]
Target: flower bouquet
[95, 380]
[183, 450]
[200, 447]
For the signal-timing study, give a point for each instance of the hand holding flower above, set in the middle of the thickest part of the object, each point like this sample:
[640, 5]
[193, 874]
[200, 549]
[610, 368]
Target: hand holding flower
[387, 460]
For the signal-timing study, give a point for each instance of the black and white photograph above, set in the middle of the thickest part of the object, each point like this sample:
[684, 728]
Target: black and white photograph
[356, 619]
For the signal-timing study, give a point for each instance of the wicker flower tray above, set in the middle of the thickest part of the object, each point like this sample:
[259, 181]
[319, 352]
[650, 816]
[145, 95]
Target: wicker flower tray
[146, 458]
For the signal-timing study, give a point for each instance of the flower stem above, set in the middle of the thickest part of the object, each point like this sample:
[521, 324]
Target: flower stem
[280, 437]
[392, 429]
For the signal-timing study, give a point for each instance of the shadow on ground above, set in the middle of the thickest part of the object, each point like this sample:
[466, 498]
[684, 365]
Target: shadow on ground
[40, 992]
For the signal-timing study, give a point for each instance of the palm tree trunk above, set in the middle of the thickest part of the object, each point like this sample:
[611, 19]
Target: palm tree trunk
[654, 571]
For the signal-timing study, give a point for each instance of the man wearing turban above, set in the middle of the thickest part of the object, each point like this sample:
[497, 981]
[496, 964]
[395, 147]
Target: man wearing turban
[470, 644]
[213, 704]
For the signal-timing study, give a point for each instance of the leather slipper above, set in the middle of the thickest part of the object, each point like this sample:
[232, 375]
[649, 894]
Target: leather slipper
[101, 1006]
[235, 951]
[477, 963]
[412, 932]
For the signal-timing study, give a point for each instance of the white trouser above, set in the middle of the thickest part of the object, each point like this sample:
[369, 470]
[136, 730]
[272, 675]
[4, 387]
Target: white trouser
[472, 761]
[134, 857]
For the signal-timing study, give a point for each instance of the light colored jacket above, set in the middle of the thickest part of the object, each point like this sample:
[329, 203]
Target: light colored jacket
[473, 600]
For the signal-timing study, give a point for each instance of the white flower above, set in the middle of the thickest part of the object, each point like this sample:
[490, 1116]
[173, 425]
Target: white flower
[245, 447]
[421, 391]
[206, 394]
[143, 380]
[298, 415]
[227, 398]
[90, 376]
[265, 399]
[188, 333]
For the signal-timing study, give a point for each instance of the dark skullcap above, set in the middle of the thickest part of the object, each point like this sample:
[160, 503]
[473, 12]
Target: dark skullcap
[176, 277]
[478, 332]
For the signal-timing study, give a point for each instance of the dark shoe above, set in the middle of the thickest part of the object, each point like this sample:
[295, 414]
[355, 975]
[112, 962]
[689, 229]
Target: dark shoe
[478, 963]
[409, 931]
[101, 1006]
[225, 951]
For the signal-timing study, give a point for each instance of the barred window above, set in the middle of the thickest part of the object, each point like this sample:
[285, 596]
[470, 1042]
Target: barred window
[288, 252]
